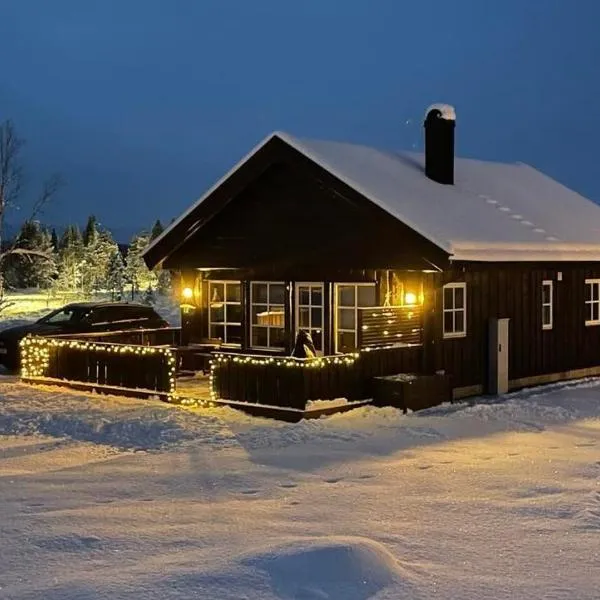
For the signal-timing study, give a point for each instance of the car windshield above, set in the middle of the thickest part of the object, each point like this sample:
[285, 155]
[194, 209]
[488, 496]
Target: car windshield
[69, 314]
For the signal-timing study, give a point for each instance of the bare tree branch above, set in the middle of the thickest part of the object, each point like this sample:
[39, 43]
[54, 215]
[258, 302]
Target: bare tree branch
[11, 182]
[11, 172]
[50, 187]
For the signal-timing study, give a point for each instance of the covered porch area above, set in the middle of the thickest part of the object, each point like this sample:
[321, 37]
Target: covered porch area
[242, 336]
[271, 313]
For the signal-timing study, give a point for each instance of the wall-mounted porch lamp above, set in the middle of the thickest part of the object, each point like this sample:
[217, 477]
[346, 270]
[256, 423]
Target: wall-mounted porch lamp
[187, 296]
[410, 298]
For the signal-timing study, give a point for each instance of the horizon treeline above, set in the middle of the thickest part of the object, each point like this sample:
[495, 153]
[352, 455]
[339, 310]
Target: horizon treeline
[84, 262]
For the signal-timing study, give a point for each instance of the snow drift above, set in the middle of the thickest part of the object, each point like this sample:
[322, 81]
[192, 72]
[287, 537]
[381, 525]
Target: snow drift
[333, 567]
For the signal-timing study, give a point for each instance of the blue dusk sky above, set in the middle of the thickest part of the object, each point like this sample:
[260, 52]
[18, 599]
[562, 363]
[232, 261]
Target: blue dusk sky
[142, 104]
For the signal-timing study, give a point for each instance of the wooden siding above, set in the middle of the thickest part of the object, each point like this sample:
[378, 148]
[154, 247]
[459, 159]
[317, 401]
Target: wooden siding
[284, 214]
[505, 290]
[514, 291]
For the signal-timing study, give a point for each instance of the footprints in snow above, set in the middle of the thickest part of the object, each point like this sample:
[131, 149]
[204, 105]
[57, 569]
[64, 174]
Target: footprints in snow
[589, 517]
[68, 543]
[290, 485]
[537, 492]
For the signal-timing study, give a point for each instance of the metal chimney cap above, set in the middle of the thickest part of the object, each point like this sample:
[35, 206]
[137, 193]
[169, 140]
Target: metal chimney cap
[446, 111]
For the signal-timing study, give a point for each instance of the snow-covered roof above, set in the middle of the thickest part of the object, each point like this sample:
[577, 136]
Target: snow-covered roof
[493, 212]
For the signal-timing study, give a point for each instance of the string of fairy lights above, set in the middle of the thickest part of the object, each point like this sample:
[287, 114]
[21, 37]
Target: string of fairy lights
[318, 362]
[36, 352]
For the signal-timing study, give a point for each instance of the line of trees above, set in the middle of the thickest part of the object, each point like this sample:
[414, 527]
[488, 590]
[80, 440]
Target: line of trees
[72, 262]
[85, 263]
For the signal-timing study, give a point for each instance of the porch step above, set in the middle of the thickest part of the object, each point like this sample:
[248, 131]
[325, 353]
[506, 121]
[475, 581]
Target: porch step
[289, 415]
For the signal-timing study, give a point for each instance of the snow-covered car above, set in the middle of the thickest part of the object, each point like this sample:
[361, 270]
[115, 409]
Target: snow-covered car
[80, 317]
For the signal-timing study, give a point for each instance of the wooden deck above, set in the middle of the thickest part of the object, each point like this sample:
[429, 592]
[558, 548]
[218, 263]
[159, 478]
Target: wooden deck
[195, 387]
[195, 391]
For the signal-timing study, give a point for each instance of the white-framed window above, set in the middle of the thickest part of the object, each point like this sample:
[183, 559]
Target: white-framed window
[349, 297]
[267, 306]
[225, 311]
[455, 310]
[592, 301]
[547, 304]
[309, 311]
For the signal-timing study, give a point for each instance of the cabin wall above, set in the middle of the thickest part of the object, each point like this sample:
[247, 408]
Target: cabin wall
[390, 286]
[514, 291]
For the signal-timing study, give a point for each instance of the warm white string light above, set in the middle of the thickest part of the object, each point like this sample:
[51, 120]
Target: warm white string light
[35, 355]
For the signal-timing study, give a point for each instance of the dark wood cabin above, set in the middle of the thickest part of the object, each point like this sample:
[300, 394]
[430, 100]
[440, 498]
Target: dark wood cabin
[488, 272]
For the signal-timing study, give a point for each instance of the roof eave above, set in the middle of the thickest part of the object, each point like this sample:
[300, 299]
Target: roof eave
[515, 254]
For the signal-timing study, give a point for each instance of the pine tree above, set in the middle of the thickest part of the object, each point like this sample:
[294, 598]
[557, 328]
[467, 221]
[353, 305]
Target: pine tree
[163, 278]
[70, 238]
[90, 233]
[115, 277]
[26, 238]
[157, 229]
[54, 239]
[89, 266]
[70, 260]
[163, 284]
[137, 274]
[149, 296]
[45, 271]
[33, 270]
[96, 257]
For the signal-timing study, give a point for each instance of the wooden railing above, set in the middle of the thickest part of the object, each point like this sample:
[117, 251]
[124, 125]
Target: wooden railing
[388, 325]
[121, 368]
[291, 382]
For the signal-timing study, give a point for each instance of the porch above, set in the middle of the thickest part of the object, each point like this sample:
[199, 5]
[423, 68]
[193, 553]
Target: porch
[261, 311]
[153, 363]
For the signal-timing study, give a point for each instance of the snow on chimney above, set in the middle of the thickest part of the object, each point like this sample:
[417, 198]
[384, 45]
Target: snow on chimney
[440, 121]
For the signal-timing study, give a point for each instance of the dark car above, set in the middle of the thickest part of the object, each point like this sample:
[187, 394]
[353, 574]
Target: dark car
[81, 317]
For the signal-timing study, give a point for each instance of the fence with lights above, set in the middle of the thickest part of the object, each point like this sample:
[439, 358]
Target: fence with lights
[291, 382]
[144, 362]
[134, 369]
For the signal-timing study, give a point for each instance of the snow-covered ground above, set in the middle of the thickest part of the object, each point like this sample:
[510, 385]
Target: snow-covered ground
[107, 498]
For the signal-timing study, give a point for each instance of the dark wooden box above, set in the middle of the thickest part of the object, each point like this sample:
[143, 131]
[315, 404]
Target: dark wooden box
[411, 392]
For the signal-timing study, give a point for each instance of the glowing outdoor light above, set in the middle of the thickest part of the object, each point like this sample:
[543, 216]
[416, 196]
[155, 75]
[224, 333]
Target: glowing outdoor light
[187, 293]
[410, 298]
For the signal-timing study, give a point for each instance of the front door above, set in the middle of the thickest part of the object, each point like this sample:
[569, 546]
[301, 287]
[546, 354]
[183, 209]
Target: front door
[309, 311]
[498, 356]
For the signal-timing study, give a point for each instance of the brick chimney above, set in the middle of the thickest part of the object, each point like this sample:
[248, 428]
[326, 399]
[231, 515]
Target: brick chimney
[440, 121]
